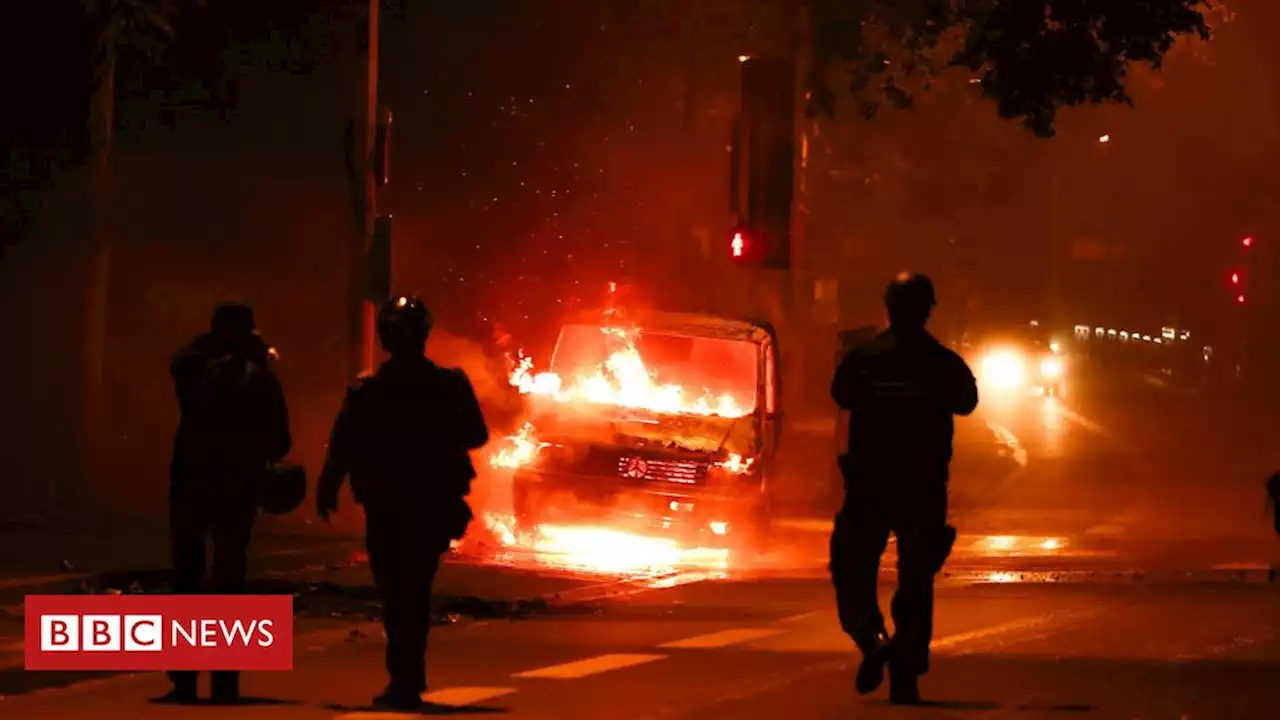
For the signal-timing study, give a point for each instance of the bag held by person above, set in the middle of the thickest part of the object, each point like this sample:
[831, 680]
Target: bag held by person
[283, 488]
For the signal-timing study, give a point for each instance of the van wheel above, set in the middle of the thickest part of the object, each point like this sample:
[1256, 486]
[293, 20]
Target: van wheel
[759, 531]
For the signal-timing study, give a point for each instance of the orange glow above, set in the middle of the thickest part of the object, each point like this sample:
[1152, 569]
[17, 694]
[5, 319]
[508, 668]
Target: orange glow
[520, 449]
[607, 551]
[736, 464]
[622, 380]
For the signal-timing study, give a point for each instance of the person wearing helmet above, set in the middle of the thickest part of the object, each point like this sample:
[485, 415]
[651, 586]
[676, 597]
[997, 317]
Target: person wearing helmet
[404, 436]
[234, 424]
[902, 388]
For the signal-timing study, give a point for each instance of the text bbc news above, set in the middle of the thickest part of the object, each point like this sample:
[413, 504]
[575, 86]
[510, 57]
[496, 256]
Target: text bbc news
[159, 632]
[147, 633]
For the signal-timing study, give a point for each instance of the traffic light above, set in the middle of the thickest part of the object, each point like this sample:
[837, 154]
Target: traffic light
[1240, 299]
[1235, 278]
[762, 163]
[743, 247]
[1247, 242]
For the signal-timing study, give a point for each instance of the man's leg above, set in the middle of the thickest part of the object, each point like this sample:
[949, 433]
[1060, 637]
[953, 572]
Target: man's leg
[232, 529]
[418, 618]
[188, 532]
[393, 576]
[923, 544]
[858, 540]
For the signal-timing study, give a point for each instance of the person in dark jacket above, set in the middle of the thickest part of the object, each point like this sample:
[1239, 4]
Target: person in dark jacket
[234, 424]
[404, 435]
[902, 389]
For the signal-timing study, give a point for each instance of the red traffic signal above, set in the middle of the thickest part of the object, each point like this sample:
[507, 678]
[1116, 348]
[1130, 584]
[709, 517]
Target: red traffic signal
[1247, 242]
[745, 248]
[1240, 299]
[1235, 278]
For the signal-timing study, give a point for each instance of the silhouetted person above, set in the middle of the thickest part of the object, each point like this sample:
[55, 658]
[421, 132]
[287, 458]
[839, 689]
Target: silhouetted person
[404, 435]
[902, 388]
[234, 425]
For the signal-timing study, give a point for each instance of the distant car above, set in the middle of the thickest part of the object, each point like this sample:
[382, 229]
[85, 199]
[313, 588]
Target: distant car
[1019, 362]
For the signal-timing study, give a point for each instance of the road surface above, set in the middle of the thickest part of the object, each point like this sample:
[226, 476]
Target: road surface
[1113, 560]
[771, 649]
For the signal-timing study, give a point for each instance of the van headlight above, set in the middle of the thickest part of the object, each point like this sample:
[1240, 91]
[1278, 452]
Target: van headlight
[1004, 369]
[1051, 368]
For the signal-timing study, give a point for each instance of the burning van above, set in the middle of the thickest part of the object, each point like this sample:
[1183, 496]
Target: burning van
[667, 423]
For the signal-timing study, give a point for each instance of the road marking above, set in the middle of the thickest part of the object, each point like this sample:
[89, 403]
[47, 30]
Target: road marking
[797, 618]
[723, 638]
[1007, 438]
[1235, 643]
[951, 641]
[1080, 420]
[590, 666]
[461, 696]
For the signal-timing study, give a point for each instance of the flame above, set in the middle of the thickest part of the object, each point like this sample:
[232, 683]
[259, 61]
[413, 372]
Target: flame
[622, 380]
[520, 449]
[606, 551]
[736, 464]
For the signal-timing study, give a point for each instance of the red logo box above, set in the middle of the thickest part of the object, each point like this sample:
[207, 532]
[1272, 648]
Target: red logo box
[159, 632]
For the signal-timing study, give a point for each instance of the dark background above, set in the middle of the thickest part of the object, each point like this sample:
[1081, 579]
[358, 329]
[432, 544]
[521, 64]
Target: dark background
[540, 151]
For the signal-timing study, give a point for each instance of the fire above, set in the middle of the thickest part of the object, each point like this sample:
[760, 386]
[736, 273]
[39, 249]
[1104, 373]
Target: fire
[736, 464]
[622, 380]
[520, 449]
[606, 551]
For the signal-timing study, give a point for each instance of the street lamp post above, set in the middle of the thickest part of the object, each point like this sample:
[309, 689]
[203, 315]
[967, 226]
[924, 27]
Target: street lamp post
[1057, 179]
[360, 309]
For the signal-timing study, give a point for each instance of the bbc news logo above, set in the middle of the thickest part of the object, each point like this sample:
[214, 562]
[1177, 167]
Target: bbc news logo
[159, 632]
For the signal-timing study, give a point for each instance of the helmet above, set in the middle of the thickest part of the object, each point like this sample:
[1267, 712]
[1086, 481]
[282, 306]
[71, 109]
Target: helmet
[283, 488]
[403, 324]
[232, 319]
[909, 298]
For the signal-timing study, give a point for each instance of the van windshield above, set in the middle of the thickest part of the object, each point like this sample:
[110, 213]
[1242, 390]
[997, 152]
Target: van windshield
[662, 372]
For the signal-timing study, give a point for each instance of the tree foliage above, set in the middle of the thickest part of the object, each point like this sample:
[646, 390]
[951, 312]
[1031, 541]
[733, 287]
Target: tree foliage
[1030, 57]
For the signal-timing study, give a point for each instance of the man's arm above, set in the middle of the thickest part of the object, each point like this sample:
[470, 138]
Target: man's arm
[849, 386]
[337, 461]
[960, 392]
[473, 431]
[283, 439]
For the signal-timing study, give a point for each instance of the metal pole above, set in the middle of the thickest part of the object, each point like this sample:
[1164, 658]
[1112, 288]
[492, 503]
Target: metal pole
[360, 312]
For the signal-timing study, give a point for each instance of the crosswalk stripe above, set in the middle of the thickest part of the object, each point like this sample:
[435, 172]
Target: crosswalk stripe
[460, 696]
[723, 638]
[951, 641]
[590, 666]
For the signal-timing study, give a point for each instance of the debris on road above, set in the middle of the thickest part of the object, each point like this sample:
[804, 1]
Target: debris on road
[331, 600]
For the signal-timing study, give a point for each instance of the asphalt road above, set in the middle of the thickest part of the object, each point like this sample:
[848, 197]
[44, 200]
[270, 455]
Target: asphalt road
[771, 649]
[1112, 560]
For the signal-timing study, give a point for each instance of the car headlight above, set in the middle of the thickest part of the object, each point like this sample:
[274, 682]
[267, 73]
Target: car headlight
[1051, 368]
[1004, 369]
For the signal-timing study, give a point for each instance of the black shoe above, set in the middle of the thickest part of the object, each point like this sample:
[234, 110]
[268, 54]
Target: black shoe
[398, 701]
[871, 671]
[903, 687]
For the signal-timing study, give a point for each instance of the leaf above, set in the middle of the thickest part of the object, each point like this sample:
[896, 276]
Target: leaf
[1035, 56]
